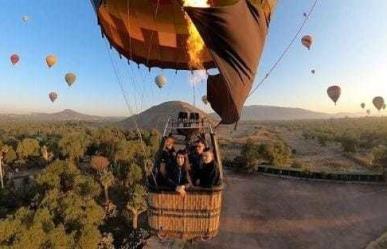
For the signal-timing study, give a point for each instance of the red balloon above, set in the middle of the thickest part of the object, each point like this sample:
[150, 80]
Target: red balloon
[14, 59]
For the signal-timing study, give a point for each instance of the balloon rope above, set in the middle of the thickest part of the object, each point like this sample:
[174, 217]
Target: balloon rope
[306, 18]
[131, 113]
[151, 38]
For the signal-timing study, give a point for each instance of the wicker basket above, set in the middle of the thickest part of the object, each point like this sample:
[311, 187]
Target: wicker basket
[193, 216]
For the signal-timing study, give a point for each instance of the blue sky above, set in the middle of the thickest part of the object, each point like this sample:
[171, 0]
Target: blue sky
[350, 50]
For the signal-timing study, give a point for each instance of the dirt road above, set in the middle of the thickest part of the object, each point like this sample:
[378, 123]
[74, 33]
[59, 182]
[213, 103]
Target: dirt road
[269, 212]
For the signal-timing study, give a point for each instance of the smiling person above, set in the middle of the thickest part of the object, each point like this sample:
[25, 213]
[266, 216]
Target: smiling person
[178, 176]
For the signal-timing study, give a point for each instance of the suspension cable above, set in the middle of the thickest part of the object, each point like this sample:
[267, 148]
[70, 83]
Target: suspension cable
[131, 113]
[286, 50]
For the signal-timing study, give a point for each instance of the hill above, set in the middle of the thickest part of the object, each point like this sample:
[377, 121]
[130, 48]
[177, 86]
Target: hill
[273, 113]
[156, 116]
[65, 115]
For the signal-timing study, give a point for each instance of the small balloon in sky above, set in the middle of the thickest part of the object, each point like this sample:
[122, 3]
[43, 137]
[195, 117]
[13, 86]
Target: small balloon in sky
[378, 102]
[51, 60]
[14, 59]
[160, 80]
[307, 41]
[26, 18]
[53, 96]
[204, 99]
[70, 78]
[313, 71]
[334, 93]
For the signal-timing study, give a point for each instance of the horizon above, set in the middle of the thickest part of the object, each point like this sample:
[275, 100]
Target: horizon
[346, 52]
[206, 111]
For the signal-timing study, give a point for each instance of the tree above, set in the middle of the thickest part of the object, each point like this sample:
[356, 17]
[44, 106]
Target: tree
[99, 163]
[10, 156]
[74, 145]
[66, 215]
[107, 179]
[137, 203]
[28, 147]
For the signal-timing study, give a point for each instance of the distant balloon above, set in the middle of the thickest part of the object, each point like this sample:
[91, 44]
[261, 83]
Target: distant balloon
[305, 14]
[362, 105]
[204, 99]
[368, 112]
[53, 96]
[384, 106]
[313, 71]
[160, 80]
[334, 93]
[25, 18]
[51, 60]
[14, 59]
[307, 41]
[70, 78]
[378, 102]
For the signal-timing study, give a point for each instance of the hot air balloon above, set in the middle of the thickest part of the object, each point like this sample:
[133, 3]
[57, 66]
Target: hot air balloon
[161, 41]
[362, 105]
[53, 96]
[384, 106]
[25, 18]
[368, 112]
[307, 41]
[313, 71]
[334, 93]
[378, 102]
[70, 78]
[14, 59]
[51, 60]
[204, 99]
[160, 80]
[154, 33]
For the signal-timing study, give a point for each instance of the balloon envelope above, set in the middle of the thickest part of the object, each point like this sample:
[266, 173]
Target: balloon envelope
[362, 105]
[334, 93]
[53, 96]
[25, 18]
[368, 111]
[70, 78]
[307, 41]
[15, 59]
[51, 60]
[160, 80]
[378, 102]
[313, 71]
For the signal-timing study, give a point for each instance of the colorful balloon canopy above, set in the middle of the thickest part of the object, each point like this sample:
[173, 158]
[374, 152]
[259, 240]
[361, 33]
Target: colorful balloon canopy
[51, 60]
[362, 105]
[70, 78]
[155, 33]
[160, 80]
[378, 102]
[307, 41]
[14, 59]
[53, 96]
[334, 93]
[204, 99]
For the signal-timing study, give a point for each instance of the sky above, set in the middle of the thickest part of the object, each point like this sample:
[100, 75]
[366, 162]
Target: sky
[349, 49]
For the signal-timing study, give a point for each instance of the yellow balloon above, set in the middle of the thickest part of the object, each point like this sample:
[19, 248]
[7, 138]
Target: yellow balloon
[51, 60]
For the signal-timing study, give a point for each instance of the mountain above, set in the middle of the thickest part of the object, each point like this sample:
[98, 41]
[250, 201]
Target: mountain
[65, 115]
[156, 116]
[273, 113]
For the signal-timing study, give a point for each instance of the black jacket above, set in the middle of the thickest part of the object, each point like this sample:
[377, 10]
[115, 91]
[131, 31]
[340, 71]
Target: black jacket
[177, 176]
[209, 175]
[196, 162]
